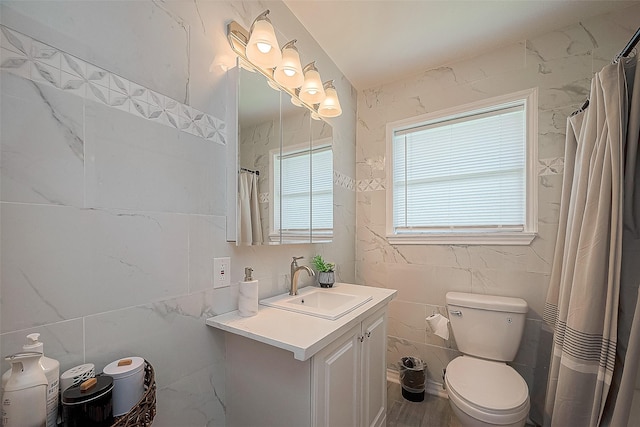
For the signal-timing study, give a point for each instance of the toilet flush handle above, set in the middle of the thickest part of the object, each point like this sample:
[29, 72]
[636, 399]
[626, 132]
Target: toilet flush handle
[455, 312]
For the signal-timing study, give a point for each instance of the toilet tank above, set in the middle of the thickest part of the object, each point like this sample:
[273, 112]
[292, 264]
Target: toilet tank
[487, 326]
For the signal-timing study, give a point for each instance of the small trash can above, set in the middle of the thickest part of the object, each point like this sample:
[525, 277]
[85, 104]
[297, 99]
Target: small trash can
[412, 378]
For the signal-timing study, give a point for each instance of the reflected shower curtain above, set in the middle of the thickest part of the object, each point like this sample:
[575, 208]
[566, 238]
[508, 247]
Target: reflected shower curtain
[584, 292]
[249, 224]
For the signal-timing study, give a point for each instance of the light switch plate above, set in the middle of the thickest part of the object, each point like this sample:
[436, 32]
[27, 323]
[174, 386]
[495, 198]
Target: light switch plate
[221, 272]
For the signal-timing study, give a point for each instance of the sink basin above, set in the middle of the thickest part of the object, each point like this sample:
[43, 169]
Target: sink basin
[327, 304]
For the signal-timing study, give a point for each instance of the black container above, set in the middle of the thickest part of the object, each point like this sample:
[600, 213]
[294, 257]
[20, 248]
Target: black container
[93, 407]
[413, 378]
[413, 396]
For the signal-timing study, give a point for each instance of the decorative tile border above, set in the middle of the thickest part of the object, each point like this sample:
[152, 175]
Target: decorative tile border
[28, 58]
[374, 184]
[343, 180]
[553, 166]
[338, 179]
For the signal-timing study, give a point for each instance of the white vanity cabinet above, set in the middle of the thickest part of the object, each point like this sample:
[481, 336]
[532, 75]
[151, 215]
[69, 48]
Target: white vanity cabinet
[290, 369]
[349, 377]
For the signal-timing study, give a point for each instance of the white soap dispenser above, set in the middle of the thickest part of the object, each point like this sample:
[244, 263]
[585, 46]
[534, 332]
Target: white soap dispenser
[24, 401]
[51, 369]
[248, 295]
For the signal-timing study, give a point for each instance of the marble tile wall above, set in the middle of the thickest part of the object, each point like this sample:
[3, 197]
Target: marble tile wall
[560, 64]
[112, 187]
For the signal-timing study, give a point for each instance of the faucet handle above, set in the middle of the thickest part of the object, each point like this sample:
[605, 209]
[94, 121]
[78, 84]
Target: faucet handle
[296, 258]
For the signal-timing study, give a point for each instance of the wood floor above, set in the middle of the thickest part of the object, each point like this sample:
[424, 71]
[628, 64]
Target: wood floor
[434, 411]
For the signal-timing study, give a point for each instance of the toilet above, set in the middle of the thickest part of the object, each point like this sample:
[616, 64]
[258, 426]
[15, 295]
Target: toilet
[483, 390]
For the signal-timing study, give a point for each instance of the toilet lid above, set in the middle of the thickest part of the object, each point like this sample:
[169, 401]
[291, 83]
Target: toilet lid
[494, 386]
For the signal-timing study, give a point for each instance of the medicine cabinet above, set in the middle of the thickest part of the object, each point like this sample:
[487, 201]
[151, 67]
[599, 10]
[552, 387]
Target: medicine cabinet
[283, 182]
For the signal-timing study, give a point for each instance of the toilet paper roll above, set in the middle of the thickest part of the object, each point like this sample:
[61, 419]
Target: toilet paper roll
[439, 325]
[248, 298]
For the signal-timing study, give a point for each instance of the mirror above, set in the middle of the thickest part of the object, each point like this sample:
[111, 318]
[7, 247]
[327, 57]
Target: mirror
[285, 168]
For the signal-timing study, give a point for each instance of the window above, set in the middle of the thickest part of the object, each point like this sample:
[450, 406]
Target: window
[302, 202]
[465, 175]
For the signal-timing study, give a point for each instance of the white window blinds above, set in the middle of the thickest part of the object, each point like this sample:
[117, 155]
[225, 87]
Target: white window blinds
[299, 205]
[461, 173]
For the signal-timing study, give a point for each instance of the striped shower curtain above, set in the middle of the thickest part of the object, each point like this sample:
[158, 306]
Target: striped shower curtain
[583, 299]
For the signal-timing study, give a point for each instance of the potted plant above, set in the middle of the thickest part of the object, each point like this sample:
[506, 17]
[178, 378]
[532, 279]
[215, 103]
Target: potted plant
[326, 276]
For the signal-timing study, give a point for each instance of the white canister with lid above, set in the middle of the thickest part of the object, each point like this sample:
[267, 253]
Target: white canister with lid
[128, 383]
[76, 375]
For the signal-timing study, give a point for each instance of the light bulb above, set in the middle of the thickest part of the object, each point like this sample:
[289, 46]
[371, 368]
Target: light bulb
[330, 105]
[263, 47]
[311, 91]
[289, 71]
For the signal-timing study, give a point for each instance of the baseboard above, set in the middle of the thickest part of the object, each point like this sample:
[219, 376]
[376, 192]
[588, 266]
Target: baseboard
[432, 387]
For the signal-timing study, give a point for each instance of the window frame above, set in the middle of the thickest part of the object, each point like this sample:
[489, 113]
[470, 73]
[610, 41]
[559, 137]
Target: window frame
[529, 98]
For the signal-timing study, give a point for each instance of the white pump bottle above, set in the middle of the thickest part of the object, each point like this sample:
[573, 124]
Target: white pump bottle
[51, 369]
[24, 401]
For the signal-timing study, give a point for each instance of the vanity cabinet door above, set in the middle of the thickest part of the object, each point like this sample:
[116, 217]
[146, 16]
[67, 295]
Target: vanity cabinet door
[350, 377]
[337, 384]
[374, 370]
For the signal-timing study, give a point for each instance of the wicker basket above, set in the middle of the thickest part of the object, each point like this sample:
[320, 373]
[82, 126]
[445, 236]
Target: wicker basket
[142, 414]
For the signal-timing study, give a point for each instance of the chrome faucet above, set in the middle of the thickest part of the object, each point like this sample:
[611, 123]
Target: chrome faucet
[295, 269]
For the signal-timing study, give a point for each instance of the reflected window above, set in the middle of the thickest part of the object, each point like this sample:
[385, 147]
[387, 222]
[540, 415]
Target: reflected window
[302, 201]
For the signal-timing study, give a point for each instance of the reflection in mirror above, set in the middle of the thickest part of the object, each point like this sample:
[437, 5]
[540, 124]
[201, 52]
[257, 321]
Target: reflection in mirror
[259, 132]
[291, 178]
[285, 187]
[322, 181]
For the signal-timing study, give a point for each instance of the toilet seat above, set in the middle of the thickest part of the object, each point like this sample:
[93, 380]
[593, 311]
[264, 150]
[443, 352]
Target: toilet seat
[489, 391]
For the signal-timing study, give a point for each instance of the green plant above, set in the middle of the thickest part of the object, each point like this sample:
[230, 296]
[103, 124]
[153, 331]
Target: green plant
[321, 265]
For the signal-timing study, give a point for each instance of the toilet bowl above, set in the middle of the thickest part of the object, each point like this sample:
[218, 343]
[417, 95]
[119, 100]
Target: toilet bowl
[483, 390]
[486, 393]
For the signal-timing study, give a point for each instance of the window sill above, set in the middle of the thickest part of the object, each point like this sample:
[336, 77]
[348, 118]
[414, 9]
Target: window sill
[507, 238]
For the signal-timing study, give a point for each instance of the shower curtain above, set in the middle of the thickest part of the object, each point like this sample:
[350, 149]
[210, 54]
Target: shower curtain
[599, 204]
[249, 224]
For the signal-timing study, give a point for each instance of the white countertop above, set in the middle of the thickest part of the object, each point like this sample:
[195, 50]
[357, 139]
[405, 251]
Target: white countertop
[302, 334]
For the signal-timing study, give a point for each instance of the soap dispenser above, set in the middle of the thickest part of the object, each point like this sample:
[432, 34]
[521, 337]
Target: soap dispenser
[248, 295]
[24, 401]
[51, 369]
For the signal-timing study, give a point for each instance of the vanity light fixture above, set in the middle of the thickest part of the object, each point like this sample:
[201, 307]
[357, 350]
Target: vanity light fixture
[273, 85]
[312, 91]
[242, 63]
[289, 72]
[258, 49]
[330, 105]
[295, 100]
[262, 48]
